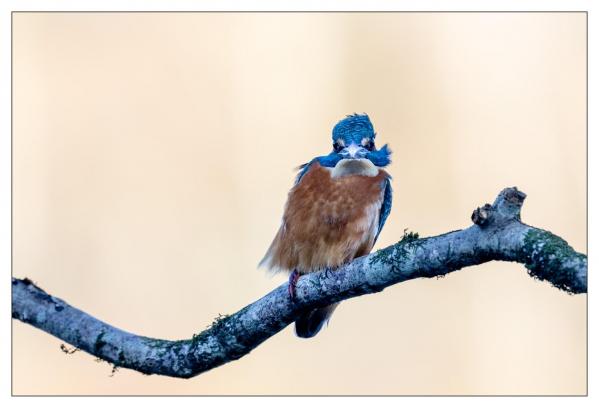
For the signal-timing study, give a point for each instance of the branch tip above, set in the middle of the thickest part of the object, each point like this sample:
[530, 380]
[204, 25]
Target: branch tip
[505, 209]
[513, 195]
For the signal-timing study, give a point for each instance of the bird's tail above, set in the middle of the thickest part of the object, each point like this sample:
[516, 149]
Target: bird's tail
[310, 323]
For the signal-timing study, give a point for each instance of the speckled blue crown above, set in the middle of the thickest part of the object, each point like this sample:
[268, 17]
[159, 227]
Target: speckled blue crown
[354, 128]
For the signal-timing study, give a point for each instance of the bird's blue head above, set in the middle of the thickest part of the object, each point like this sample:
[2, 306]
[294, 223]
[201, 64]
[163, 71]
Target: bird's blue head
[353, 138]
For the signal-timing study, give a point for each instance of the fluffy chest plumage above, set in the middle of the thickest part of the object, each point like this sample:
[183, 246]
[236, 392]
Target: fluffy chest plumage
[330, 218]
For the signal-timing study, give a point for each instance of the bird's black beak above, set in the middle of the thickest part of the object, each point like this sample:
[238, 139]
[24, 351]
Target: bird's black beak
[353, 151]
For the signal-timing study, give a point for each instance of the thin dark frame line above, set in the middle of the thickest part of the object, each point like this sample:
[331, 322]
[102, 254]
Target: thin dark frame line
[303, 11]
[13, 12]
[587, 188]
[12, 40]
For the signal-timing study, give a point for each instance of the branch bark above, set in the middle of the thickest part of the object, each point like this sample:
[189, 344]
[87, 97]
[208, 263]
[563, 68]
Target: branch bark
[497, 234]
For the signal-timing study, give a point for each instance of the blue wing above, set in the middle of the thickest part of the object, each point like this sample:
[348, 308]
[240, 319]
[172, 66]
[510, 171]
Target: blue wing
[325, 161]
[386, 207]
[303, 170]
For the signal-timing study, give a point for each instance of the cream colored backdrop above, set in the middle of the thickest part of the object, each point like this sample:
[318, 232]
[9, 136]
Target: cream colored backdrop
[153, 154]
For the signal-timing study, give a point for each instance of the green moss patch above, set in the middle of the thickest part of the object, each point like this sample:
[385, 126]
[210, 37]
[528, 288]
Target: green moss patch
[548, 257]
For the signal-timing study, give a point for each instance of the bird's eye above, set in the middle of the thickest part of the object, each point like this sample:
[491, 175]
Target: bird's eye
[337, 147]
[367, 143]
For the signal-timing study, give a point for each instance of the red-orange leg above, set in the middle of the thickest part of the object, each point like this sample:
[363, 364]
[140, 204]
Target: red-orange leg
[293, 278]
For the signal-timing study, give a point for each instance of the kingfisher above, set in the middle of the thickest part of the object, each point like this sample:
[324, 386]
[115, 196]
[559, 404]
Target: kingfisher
[334, 212]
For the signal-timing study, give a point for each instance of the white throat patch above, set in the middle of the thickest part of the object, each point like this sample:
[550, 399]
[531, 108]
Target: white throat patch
[357, 167]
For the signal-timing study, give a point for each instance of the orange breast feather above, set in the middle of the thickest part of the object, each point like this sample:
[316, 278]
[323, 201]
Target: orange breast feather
[327, 221]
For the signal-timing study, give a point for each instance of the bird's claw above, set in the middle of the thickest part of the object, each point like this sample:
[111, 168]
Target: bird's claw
[293, 278]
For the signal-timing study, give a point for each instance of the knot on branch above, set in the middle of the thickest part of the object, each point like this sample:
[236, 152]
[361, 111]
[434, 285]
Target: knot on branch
[505, 209]
[482, 215]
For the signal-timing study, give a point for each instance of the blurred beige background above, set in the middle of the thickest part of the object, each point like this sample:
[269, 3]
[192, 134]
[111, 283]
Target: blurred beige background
[153, 154]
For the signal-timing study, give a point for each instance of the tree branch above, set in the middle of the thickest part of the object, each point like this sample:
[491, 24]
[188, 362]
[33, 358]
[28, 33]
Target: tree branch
[497, 234]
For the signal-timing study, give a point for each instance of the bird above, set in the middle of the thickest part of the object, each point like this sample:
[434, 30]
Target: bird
[334, 212]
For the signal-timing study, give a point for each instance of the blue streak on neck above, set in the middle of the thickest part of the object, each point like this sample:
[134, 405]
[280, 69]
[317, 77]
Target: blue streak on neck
[381, 157]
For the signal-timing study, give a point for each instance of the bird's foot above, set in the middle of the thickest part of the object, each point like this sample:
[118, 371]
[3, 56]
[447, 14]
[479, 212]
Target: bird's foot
[330, 270]
[293, 278]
